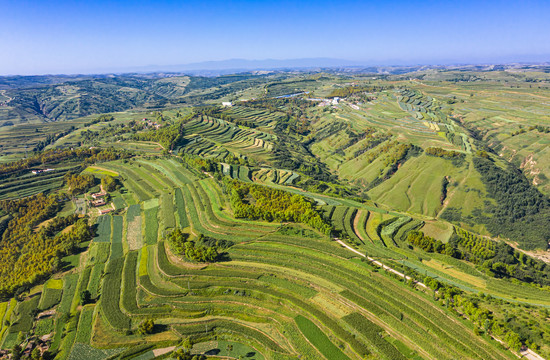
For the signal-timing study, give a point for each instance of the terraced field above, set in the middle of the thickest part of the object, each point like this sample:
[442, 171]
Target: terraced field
[216, 138]
[28, 184]
[283, 291]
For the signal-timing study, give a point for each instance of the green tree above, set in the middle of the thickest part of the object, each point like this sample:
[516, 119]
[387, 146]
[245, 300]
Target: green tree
[85, 297]
[35, 354]
[513, 341]
[109, 183]
[146, 327]
[16, 352]
[187, 344]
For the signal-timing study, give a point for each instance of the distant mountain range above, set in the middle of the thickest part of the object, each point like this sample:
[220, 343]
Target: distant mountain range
[231, 66]
[248, 65]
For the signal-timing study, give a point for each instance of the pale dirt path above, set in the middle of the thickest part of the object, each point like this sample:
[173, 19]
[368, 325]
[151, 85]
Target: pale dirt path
[159, 352]
[378, 263]
[531, 355]
[527, 353]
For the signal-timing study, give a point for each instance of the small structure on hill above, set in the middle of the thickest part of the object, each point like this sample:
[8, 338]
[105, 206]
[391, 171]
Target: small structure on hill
[227, 104]
[98, 202]
[99, 195]
[40, 171]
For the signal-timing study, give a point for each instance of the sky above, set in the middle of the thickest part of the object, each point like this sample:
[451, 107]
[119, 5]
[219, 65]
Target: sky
[97, 36]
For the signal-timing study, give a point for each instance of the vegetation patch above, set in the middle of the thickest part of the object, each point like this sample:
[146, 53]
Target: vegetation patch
[319, 339]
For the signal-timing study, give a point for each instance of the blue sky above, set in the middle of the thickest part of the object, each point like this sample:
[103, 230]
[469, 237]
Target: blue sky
[59, 36]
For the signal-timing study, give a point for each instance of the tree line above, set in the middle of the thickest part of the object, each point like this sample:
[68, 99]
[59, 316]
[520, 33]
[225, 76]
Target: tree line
[496, 259]
[446, 154]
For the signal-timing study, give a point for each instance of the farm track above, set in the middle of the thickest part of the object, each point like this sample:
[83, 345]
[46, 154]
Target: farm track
[378, 263]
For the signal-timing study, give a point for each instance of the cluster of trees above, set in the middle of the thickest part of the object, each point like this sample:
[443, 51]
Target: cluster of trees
[292, 107]
[521, 212]
[444, 185]
[58, 223]
[472, 247]
[513, 331]
[371, 143]
[350, 90]
[78, 183]
[87, 156]
[146, 327]
[260, 202]
[200, 163]
[500, 259]
[428, 243]
[484, 319]
[447, 154]
[455, 139]
[398, 153]
[29, 253]
[496, 259]
[168, 136]
[468, 247]
[184, 352]
[540, 128]
[517, 132]
[116, 132]
[204, 249]
[109, 183]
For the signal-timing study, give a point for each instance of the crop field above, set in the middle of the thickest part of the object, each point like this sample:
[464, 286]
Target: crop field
[133, 231]
[282, 294]
[319, 339]
[116, 244]
[103, 229]
[50, 297]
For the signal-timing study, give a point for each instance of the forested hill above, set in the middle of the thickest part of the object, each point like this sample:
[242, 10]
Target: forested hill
[35, 99]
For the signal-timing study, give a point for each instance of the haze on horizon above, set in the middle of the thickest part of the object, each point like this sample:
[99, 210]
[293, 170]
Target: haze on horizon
[67, 37]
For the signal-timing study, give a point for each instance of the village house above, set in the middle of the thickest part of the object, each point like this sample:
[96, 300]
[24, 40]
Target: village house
[40, 171]
[99, 195]
[99, 202]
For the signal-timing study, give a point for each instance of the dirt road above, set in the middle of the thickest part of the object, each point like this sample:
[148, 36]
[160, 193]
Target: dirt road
[378, 263]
